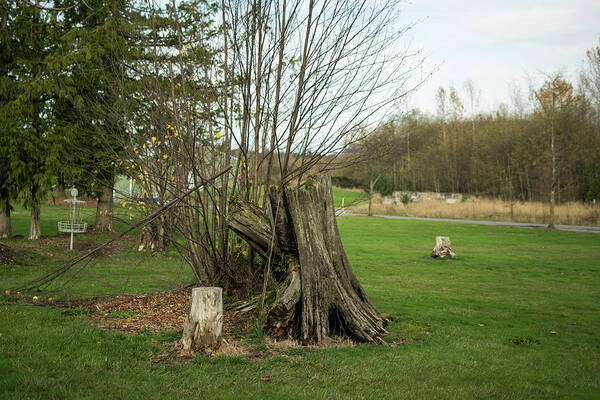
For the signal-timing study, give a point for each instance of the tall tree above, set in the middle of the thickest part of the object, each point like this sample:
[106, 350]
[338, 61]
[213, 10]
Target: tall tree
[97, 43]
[554, 100]
[34, 36]
[8, 130]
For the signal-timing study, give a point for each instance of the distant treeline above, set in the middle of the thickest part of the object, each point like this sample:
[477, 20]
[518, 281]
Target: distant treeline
[549, 141]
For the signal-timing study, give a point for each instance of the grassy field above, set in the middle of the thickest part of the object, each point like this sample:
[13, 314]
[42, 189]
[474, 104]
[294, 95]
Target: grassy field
[517, 316]
[348, 197]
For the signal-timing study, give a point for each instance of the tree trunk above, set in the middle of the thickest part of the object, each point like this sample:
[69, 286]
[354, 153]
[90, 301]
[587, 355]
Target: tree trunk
[372, 183]
[5, 231]
[60, 188]
[204, 323]
[321, 296]
[34, 220]
[156, 236]
[104, 210]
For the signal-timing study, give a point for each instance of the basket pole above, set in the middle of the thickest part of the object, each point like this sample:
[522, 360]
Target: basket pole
[72, 216]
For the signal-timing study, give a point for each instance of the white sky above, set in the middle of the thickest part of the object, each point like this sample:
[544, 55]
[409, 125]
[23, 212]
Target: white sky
[496, 43]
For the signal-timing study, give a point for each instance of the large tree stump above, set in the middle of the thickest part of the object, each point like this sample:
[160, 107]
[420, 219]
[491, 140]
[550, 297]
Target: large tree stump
[443, 248]
[204, 323]
[321, 296]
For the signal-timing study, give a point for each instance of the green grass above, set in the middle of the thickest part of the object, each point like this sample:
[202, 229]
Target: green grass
[119, 269]
[349, 197]
[480, 326]
[51, 214]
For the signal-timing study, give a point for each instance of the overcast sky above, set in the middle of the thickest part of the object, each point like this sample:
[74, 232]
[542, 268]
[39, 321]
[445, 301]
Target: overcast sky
[498, 42]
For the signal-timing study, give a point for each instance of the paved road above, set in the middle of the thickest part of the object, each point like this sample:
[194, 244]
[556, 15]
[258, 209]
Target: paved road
[573, 228]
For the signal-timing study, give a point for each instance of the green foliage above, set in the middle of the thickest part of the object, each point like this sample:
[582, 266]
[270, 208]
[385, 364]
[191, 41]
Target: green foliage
[344, 182]
[384, 186]
[405, 198]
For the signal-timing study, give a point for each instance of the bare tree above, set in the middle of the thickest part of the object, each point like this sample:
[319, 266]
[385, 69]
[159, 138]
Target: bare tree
[553, 99]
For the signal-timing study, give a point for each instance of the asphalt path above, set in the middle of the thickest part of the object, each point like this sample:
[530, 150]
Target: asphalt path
[572, 228]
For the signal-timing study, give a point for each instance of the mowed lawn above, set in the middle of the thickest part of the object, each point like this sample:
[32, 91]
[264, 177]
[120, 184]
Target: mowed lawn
[517, 316]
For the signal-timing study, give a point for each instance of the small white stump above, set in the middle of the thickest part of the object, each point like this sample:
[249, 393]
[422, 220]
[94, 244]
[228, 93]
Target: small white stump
[443, 248]
[204, 323]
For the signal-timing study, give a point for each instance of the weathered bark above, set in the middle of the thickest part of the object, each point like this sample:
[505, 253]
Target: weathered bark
[5, 231]
[104, 210]
[147, 238]
[553, 171]
[34, 220]
[251, 223]
[321, 296]
[204, 323]
[372, 183]
[156, 236]
[443, 248]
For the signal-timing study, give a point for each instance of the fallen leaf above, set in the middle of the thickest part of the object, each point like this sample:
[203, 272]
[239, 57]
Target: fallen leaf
[553, 332]
[266, 378]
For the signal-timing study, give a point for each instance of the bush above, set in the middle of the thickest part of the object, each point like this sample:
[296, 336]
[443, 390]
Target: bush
[344, 182]
[405, 198]
[384, 186]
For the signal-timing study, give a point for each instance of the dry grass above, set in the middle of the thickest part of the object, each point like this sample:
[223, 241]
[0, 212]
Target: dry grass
[572, 213]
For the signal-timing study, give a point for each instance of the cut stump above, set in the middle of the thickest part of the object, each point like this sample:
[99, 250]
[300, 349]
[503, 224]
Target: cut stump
[443, 248]
[204, 323]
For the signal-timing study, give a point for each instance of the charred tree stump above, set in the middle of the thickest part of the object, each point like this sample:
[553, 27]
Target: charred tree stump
[321, 296]
[443, 248]
[156, 236]
[204, 323]
[147, 238]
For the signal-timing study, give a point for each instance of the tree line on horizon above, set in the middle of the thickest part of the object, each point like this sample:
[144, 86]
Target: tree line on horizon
[544, 146]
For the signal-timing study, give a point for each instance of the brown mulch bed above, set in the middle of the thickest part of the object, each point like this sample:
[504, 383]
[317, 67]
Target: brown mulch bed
[166, 310]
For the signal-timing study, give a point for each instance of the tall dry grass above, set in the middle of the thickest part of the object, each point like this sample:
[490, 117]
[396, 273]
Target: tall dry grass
[572, 213]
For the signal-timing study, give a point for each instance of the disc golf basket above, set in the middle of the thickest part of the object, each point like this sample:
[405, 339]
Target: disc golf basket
[73, 223]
